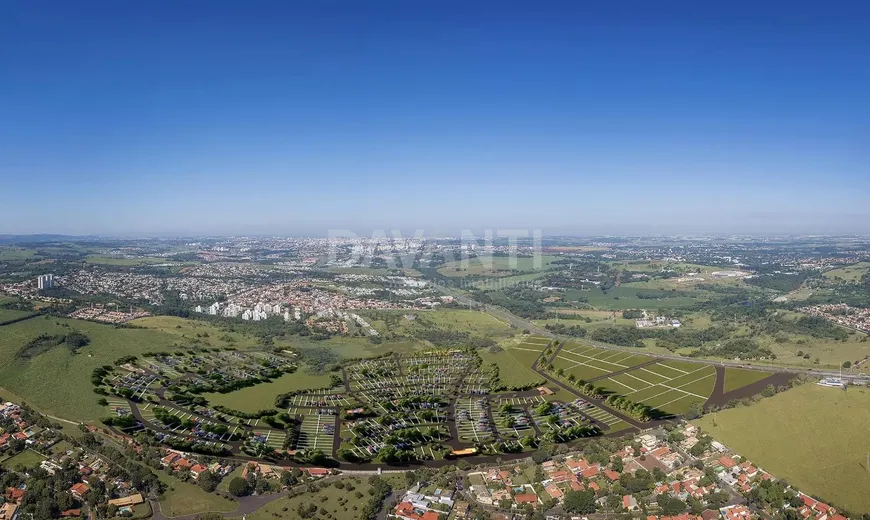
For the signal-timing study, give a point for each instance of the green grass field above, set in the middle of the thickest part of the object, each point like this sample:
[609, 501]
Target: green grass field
[814, 437]
[327, 499]
[626, 298]
[528, 351]
[182, 498]
[263, 395]
[511, 372]
[187, 329]
[374, 271]
[850, 273]
[495, 266]
[27, 458]
[10, 314]
[108, 260]
[70, 394]
[475, 323]
[737, 377]
[16, 253]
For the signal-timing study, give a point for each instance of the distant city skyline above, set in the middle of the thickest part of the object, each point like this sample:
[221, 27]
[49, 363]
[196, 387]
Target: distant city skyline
[168, 119]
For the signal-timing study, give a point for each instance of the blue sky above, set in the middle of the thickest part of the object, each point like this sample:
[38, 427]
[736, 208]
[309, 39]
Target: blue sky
[298, 117]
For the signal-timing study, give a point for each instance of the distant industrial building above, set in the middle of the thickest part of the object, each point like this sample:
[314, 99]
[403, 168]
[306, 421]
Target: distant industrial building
[45, 281]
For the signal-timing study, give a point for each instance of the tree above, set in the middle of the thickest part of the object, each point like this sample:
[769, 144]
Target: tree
[239, 487]
[695, 411]
[582, 502]
[670, 505]
[208, 481]
[847, 364]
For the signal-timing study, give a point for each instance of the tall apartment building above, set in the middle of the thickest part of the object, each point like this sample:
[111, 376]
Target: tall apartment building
[45, 281]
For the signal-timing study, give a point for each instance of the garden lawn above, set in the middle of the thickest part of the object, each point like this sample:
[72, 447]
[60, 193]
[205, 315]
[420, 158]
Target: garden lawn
[814, 437]
[27, 458]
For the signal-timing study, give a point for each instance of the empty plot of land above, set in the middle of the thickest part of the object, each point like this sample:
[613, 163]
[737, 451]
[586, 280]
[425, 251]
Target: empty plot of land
[673, 395]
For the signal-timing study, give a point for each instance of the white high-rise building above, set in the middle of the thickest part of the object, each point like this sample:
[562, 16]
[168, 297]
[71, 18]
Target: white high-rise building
[45, 281]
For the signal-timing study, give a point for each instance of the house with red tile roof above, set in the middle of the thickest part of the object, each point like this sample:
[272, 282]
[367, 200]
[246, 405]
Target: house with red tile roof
[629, 502]
[79, 490]
[169, 459]
[590, 472]
[554, 492]
[14, 494]
[611, 475]
[197, 469]
[726, 462]
[407, 511]
[526, 498]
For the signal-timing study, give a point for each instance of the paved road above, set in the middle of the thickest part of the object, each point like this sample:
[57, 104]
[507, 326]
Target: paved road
[523, 324]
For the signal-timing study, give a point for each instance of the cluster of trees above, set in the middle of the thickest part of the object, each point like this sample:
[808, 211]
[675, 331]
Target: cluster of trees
[259, 414]
[742, 348]
[639, 411]
[576, 331]
[73, 340]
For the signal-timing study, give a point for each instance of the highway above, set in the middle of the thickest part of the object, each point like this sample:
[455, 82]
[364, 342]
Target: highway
[524, 324]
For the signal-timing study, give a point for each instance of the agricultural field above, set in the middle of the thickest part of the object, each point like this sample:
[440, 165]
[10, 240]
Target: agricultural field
[811, 436]
[495, 266]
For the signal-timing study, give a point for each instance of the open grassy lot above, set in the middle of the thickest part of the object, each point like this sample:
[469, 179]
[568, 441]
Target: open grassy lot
[70, 394]
[182, 498]
[814, 437]
[16, 253]
[476, 323]
[510, 371]
[627, 298]
[586, 362]
[495, 265]
[528, 350]
[374, 271]
[11, 314]
[850, 273]
[187, 329]
[263, 395]
[27, 458]
[326, 499]
[108, 260]
[737, 377]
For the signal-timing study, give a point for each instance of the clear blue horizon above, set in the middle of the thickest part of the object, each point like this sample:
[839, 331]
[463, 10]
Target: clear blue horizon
[298, 117]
